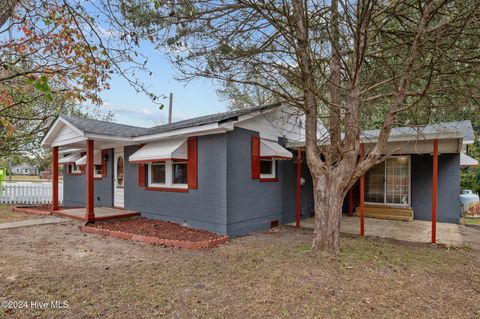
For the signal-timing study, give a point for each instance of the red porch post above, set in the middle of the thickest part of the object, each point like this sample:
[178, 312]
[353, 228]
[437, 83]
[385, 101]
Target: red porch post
[434, 191]
[55, 178]
[350, 202]
[298, 197]
[362, 196]
[90, 210]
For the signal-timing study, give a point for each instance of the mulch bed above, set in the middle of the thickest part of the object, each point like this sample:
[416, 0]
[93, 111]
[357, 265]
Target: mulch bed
[157, 232]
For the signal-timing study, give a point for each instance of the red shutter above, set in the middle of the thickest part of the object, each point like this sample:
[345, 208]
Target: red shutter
[104, 163]
[192, 163]
[141, 174]
[255, 157]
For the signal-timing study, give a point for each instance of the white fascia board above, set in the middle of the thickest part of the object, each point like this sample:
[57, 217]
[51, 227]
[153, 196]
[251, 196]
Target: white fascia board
[403, 138]
[69, 141]
[410, 138]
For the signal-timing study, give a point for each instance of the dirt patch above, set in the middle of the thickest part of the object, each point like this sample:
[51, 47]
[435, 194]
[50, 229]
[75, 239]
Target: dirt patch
[41, 208]
[273, 275]
[158, 229]
[7, 215]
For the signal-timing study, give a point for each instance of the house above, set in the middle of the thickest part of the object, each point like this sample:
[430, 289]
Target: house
[242, 171]
[23, 169]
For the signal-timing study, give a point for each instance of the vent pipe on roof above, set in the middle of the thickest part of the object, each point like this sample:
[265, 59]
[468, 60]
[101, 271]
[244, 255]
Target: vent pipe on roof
[170, 102]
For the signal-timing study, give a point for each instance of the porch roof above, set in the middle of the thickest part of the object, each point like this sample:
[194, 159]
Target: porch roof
[461, 130]
[466, 160]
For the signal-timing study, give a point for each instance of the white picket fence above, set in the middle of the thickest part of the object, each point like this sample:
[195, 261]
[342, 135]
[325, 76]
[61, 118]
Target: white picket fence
[28, 193]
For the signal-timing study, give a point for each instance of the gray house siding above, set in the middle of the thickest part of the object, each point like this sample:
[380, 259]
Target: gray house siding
[252, 205]
[203, 208]
[74, 187]
[448, 205]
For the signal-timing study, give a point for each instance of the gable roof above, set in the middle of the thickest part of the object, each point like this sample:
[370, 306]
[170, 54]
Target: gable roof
[23, 164]
[122, 130]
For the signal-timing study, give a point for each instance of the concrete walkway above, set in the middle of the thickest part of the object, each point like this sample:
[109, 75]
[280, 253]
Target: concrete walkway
[34, 222]
[415, 231]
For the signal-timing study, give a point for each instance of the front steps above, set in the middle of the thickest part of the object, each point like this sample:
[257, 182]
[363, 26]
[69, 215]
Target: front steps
[386, 212]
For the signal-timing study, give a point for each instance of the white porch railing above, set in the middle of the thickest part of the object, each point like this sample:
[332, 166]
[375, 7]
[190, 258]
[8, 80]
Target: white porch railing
[28, 193]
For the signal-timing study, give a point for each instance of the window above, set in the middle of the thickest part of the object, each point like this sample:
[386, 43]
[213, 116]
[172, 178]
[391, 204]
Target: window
[267, 168]
[74, 168]
[98, 171]
[389, 182]
[179, 173]
[168, 174]
[158, 174]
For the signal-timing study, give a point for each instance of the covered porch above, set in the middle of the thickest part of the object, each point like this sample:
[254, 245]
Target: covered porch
[100, 213]
[418, 180]
[414, 231]
[94, 165]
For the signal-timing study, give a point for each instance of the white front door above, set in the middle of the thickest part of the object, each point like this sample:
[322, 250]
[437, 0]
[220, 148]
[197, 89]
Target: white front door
[118, 178]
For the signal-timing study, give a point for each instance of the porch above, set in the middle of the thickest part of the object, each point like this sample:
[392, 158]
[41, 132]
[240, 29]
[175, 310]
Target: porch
[100, 213]
[414, 231]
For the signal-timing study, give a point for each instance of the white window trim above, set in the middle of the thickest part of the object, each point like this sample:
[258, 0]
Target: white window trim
[385, 186]
[95, 175]
[168, 176]
[274, 165]
[74, 171]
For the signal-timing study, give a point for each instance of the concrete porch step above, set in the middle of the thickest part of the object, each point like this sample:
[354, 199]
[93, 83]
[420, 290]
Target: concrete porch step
[391, 213]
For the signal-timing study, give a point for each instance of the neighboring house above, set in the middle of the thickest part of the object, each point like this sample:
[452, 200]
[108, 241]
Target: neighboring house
[23, 169]
[236, 172]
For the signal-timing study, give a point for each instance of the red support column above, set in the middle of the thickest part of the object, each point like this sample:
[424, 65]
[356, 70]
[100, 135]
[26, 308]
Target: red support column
[434, 191]
[90, 210]
[350, 202]
[362, 196]
[298, 197]
[55, 178]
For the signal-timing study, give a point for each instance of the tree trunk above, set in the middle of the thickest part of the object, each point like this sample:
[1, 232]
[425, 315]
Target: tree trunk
[328, 195]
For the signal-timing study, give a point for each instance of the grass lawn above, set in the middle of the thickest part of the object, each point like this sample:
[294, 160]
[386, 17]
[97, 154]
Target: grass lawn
[271, 274]
[7, 215]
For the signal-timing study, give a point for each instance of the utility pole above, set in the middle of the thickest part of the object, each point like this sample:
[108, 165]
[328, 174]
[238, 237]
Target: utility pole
[170, 102]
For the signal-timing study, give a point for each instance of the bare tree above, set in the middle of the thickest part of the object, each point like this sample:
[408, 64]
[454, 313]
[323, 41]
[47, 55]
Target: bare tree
[402, 59]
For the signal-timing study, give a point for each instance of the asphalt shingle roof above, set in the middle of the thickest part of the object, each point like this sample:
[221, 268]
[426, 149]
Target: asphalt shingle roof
[115, 129]
[464, 127]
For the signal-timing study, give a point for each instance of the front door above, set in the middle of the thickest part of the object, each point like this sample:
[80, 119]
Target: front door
[118, 178]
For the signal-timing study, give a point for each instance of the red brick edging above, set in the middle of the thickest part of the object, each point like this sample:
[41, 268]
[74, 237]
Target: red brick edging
[31, 211]
[155, 240]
